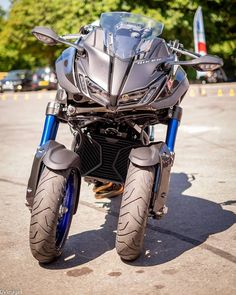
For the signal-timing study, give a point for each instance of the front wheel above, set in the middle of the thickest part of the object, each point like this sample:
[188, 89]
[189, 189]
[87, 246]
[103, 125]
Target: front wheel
[134, 211]
[52, 213]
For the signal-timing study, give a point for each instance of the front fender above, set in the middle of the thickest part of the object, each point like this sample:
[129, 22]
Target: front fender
[56, 157]
[148, 155]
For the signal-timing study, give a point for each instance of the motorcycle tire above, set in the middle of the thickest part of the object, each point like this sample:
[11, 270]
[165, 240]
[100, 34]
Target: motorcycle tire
[52, 213]
[134, 211]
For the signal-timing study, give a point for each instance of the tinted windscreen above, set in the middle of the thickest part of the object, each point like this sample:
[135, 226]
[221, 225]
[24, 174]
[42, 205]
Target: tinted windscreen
[125, 34]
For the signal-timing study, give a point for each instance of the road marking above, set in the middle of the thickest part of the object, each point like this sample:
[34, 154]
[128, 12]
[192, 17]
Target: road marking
[219, 92]
[15, 97]
[231, 92]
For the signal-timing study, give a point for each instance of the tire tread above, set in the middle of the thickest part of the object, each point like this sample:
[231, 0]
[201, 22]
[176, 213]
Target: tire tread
[44, 215]
[134, 211]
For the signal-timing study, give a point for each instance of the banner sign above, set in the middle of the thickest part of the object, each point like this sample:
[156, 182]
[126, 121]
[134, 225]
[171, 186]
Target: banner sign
[199, 36]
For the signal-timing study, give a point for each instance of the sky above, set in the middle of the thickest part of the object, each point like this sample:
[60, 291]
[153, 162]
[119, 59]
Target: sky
[5, 4]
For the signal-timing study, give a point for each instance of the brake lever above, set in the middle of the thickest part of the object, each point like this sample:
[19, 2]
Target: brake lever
[179, 48]
[194, 53]
[186, 52]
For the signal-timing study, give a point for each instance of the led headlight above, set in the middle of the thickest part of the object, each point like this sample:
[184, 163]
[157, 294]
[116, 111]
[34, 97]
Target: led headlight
[132, 97]
[97, 93]
[148, 96]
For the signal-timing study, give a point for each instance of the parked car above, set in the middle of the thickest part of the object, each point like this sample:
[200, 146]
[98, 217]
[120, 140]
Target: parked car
[44, 78]
[17, 80]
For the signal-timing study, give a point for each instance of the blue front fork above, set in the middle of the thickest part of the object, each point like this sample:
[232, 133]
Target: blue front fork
[171, 133]
[50, 129]
[172, 129]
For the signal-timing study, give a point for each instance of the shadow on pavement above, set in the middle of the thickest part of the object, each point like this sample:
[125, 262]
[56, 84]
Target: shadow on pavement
[189, 222]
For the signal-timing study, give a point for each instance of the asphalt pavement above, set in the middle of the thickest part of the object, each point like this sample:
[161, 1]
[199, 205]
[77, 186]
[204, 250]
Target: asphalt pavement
[191, 251]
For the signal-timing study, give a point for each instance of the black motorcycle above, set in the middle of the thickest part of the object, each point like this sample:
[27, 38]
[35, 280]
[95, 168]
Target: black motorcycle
[116, 81]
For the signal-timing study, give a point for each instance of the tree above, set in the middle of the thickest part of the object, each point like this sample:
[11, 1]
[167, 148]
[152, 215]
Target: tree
[2, 14]
[19, 48]
[219, 19]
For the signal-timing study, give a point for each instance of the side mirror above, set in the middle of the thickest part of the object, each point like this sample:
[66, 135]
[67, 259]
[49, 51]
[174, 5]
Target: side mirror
[46, 35]
[207, 63]
[204, 63]
[49, 37]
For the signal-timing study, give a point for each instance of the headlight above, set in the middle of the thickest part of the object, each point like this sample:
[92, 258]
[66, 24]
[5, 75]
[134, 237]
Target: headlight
[149, 95]
[96, 92]
[132, 97]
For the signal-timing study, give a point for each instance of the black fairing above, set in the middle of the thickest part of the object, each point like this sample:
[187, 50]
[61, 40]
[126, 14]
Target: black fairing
[65, 70]
[105, 78]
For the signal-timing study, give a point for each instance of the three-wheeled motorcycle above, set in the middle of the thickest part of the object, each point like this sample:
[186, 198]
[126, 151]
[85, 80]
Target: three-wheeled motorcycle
[117, 79]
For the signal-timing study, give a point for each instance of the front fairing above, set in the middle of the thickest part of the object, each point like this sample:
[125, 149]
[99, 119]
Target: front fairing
[113, 72]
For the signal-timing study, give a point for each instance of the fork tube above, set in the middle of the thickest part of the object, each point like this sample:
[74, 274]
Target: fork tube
[50, 129]
[171, 133]
[173, 128]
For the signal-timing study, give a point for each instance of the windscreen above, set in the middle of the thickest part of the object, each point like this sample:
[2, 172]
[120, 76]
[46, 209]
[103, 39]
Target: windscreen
[127, 34]
[16, 75]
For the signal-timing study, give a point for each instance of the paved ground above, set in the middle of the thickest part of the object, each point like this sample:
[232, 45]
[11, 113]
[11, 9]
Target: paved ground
[191, 251]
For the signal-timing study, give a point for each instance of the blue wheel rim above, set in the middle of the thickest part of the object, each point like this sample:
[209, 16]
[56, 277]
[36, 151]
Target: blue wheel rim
[65, 220]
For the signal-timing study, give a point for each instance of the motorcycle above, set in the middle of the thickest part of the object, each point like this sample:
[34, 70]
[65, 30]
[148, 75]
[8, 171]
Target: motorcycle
[116, 80]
